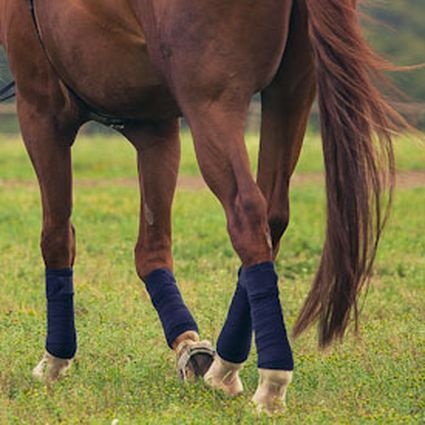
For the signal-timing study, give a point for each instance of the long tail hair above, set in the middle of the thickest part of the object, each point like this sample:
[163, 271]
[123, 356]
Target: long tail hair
[357, 124]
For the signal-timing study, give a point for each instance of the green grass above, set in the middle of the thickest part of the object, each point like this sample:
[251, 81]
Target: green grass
[103, 156]
[124, 369]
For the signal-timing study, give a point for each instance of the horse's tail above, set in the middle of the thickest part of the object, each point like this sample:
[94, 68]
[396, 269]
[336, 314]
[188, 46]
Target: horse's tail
[357, 124]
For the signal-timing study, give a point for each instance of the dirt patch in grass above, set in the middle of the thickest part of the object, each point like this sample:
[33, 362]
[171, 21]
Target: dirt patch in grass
[405, 180]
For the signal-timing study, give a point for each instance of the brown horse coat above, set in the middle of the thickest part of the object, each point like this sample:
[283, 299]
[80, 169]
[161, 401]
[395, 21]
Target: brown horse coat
[153, 61]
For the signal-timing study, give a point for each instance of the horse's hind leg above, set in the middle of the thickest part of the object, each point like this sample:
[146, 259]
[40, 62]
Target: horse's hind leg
[48, 143]
[158, 150]
[286, 105]
[218, 133]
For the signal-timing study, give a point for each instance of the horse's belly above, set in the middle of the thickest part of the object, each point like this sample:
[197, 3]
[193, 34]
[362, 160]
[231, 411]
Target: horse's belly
[98, 49]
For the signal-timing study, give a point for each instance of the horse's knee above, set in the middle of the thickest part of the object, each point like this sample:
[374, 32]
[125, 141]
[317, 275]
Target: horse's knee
[58, 245]
[253, 207]
[148, 258]
[248, 228]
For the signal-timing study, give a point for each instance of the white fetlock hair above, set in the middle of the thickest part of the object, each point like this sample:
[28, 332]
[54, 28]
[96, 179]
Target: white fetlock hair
[271, 391]
[51, 368]
[224, 375]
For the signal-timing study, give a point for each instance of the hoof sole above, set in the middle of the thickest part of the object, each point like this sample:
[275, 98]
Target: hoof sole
[194, 359]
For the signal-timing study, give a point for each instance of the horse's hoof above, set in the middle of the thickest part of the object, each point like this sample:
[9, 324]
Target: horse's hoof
[194, 359]
[51, 368]
[224, 375]
[270, 396]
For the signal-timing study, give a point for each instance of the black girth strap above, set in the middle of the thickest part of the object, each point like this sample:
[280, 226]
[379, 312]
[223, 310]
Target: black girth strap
[117, 123]
[7, 91]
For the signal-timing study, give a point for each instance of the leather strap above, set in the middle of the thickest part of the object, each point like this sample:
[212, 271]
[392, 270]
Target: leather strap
[7, 91]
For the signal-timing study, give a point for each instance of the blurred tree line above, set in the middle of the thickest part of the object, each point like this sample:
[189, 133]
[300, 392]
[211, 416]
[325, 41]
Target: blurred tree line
[398, 33]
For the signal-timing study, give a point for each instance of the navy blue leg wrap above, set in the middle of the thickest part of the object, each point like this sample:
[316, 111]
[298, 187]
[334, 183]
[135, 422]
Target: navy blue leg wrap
[273, 349]
[234, 342]
[168, 302]
[61, 335]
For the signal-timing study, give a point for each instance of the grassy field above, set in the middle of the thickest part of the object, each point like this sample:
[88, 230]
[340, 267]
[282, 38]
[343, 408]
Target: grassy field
[124, 370]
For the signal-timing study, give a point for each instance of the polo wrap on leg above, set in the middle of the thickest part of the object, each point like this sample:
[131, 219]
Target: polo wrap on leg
[273, 349]
[61, 338]
[168, 302]
[234, 342]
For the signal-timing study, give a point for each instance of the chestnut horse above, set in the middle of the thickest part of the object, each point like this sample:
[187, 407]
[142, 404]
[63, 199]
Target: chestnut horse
[139, 65]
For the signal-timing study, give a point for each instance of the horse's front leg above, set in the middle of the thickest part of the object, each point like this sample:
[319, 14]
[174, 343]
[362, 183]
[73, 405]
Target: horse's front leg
[158, 150]
[233, 345]
[48, 143]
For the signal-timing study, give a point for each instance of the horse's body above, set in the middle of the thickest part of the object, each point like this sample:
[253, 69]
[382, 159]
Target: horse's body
[125, 82]
[147, 63]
